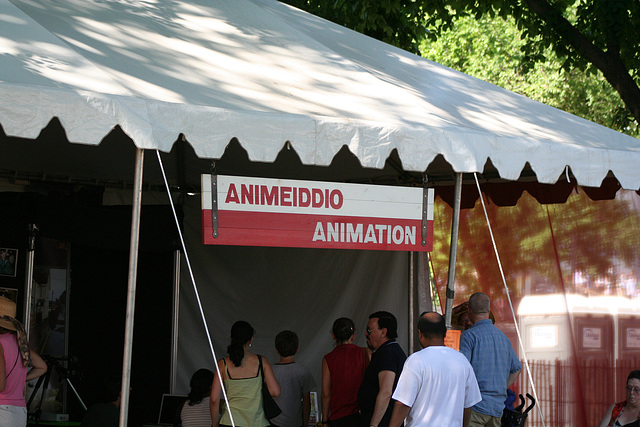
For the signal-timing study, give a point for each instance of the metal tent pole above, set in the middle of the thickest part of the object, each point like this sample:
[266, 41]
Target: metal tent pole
[175, 317]
[29, 280]
[131, 283]
[412, 300]
[453, 250]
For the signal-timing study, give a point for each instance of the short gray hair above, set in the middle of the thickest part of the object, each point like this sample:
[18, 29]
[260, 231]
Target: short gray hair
[479, 303]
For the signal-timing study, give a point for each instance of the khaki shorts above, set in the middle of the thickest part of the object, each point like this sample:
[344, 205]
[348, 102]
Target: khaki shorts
[481, 420]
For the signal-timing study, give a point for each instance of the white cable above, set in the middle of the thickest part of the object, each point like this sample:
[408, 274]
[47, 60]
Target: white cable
[195, 288]
[504, 281]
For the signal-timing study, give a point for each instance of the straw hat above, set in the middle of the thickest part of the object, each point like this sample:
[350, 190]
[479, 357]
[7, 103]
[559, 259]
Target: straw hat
[459, 310]
[7, 308]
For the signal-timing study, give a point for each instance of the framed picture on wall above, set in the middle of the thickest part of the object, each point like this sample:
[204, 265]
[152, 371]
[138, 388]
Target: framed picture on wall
[10, 293]
[8, 261]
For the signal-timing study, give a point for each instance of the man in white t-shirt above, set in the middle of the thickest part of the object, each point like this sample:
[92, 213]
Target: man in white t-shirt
[437, 386]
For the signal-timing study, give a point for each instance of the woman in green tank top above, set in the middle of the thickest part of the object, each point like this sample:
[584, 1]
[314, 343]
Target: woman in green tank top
[240, 373]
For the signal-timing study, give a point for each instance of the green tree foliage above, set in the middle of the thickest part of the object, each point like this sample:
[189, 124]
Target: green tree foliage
[491, 49]
[585, 35]
[397, 22]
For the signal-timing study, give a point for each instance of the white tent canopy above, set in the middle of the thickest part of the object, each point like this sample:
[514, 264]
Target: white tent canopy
[266, 73]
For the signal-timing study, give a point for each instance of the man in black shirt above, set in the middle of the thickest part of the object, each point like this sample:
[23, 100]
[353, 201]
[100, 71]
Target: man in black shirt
[381, 376]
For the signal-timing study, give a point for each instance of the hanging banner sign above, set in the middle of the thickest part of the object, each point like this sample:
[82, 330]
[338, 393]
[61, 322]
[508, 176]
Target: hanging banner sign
[311, 214]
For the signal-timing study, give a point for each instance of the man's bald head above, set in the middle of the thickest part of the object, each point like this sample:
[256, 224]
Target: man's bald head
[432, 326]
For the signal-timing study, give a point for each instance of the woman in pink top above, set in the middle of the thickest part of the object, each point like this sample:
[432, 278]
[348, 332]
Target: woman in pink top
[15, 360]
[342, 372]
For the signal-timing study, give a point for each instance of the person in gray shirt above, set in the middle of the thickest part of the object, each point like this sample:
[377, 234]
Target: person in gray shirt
[296, 383]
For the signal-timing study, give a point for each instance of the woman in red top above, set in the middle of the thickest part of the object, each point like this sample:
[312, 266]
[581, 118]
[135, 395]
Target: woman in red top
[342, 372]
[627, 413]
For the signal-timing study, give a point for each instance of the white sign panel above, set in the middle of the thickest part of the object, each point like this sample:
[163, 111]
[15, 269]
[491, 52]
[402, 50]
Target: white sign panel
[544, 336]
[633, 338]
[592, 337]
[312, 214]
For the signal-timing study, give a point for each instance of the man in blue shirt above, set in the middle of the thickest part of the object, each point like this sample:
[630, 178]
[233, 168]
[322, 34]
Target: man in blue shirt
[493, 360]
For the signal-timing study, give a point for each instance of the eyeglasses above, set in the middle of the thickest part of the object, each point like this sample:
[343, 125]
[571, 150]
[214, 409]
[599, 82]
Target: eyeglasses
[369, 330]
[634, 390]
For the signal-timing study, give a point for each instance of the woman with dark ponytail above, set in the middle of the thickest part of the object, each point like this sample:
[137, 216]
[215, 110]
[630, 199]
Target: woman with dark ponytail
[342, 373]
[241, 372]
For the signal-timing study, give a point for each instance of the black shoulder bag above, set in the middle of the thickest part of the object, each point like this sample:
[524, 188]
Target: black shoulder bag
[271, 408]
